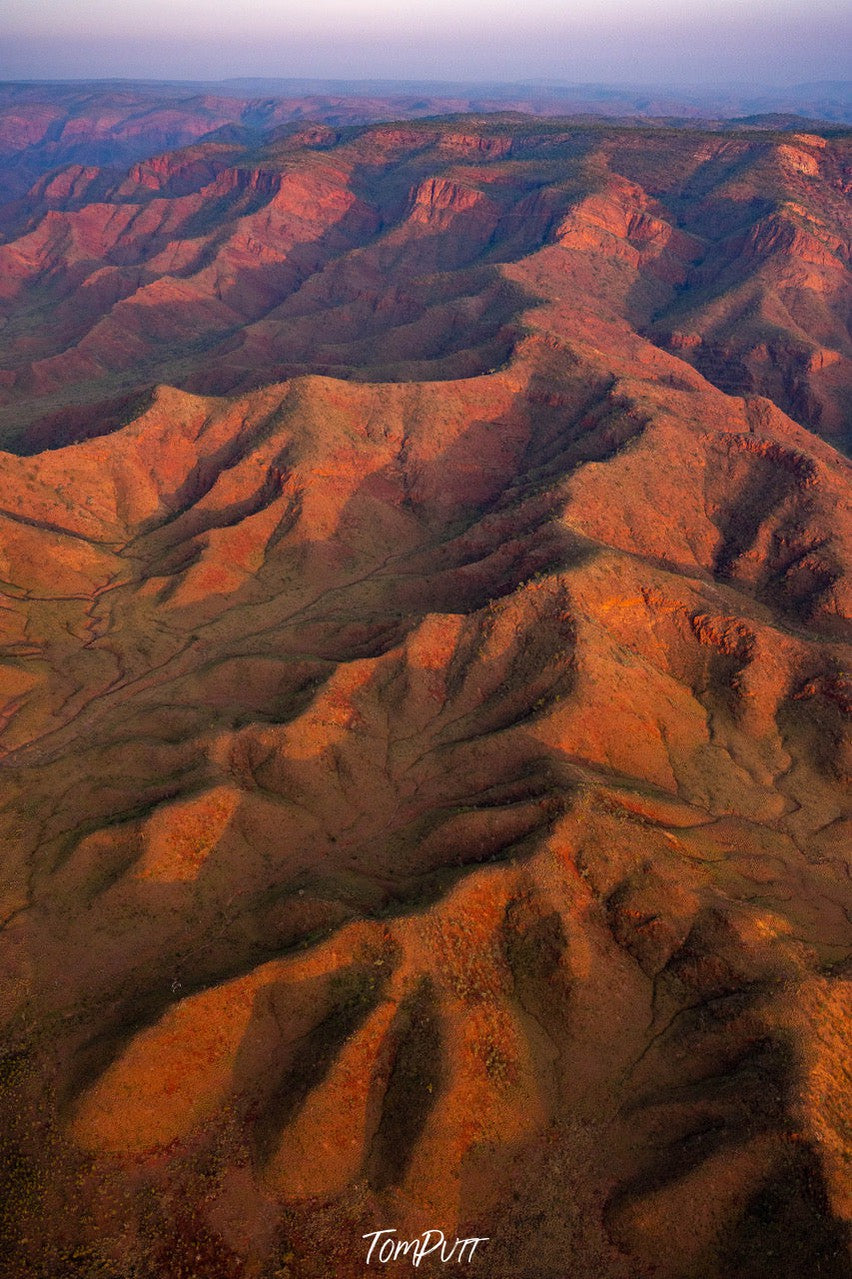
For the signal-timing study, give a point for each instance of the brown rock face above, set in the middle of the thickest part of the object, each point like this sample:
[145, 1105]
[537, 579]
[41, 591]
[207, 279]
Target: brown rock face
[425, 704]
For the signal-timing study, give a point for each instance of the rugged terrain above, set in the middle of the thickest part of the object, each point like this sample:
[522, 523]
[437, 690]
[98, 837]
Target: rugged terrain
[425, 555]
[380, 254]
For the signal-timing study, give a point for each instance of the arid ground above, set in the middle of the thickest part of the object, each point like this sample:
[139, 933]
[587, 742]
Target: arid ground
[425, 607]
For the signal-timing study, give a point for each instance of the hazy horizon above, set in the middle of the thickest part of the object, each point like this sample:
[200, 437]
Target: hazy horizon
[775, 43]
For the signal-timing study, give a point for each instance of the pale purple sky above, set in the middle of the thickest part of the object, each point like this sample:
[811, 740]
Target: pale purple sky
[678, 42]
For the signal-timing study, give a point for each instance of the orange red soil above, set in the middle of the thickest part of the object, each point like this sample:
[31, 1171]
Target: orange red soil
[425, 718]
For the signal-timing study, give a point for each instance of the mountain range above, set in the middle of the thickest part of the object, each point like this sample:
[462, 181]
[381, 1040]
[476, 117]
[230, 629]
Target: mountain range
[425, 558]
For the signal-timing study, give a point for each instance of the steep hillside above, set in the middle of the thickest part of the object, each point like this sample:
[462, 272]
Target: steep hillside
[425, 710]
